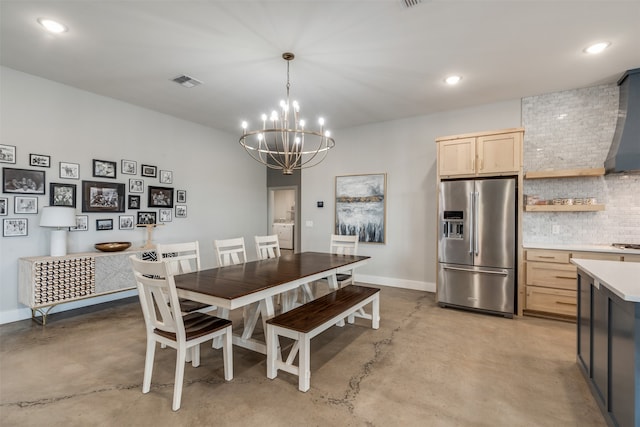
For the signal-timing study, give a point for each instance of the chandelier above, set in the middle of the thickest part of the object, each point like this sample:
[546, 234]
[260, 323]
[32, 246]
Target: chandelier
[284, 142]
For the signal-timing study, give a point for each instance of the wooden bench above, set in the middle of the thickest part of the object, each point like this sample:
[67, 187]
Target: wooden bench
[305, 322]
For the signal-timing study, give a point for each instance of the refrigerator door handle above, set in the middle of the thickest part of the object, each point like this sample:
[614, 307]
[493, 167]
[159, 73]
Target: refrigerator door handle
[471, 224]
[470, 270]
[475, 220]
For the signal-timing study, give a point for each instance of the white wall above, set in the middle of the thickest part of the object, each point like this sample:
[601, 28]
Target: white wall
[406, 150]
[43, 117]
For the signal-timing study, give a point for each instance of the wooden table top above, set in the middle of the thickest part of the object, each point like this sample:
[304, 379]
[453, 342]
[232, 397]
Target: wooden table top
[239, 280]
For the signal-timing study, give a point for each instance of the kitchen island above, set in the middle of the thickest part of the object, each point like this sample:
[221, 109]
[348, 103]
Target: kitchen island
[608, 336]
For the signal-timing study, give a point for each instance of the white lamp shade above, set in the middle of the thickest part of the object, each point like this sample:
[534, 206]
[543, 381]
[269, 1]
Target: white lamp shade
[58, 216]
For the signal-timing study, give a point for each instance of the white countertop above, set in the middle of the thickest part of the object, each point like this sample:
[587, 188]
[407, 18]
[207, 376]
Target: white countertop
[621, 278]
[582, 248]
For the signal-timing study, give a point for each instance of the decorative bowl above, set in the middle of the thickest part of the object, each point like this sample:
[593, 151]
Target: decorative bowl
[112, 246]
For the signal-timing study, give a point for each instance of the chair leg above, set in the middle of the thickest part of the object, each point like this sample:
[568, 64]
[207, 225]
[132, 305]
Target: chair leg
[195, 355]
[148, 365]
[179, 378]
[227, 354]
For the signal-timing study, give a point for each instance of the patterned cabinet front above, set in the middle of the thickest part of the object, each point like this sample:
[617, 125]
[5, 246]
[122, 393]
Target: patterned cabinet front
[47, 281]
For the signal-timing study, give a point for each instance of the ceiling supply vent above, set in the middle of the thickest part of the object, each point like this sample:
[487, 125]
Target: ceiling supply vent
[410, 3]
[187, 81]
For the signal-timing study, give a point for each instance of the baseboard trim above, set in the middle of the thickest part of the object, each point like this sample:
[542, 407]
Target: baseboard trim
[396, 283]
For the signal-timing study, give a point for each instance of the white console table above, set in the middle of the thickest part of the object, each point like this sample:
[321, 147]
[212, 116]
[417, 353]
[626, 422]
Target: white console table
[45, 282]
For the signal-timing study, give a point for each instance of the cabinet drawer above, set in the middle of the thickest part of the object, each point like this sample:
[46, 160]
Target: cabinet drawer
[631, 258]
[556, 301]
[547, 256]
[563, 276]
[596, 255]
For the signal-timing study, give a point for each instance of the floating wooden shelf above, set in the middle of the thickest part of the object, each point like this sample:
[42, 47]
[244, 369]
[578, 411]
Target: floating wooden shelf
[564, 173]
[563, 208]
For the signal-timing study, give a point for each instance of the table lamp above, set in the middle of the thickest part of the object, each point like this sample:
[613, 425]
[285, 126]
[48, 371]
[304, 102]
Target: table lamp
[60, 218]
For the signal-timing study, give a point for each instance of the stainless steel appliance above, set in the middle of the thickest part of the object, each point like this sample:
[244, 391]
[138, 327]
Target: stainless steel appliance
[477, 245]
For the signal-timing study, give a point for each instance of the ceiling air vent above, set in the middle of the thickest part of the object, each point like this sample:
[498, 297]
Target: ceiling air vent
[187, 81]
[410, 3]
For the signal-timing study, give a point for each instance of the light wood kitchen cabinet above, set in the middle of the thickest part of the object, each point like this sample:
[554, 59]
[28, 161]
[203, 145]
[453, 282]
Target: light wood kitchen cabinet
[551, 281]
[481, 154]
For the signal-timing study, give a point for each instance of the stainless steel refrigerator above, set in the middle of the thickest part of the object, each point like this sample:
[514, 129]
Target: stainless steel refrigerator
[477, 245]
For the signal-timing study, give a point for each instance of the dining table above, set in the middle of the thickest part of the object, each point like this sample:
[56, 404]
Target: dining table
[253, 285]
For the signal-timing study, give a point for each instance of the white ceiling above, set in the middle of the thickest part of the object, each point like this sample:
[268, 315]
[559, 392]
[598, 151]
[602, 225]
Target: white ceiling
[357, 61]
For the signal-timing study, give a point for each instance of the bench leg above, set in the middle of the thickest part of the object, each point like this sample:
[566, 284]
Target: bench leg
[304, 363]
[375, 312]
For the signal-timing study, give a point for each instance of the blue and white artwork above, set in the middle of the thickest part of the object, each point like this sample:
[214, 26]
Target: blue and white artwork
[360, 206]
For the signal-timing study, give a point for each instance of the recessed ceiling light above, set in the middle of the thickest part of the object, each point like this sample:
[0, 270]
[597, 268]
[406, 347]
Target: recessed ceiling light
[453, 80]
[597, 47]
[52, 26]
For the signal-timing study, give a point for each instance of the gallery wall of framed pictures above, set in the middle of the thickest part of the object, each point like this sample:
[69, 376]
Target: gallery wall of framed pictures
[97, 189]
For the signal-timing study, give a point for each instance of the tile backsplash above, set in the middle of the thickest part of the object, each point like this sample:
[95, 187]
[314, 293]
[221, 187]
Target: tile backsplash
[574, 129]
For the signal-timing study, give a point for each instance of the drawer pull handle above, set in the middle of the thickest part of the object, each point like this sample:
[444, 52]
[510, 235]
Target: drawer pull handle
[565, 277]
[566, 303]
[546, 256]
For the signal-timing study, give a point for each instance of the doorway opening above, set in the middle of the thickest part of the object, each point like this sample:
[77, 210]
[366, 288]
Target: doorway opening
[282, 216]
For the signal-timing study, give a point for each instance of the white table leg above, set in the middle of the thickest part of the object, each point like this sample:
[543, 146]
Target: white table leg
[223, 313]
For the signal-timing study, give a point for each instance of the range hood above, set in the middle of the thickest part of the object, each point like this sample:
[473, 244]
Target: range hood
[624, 154]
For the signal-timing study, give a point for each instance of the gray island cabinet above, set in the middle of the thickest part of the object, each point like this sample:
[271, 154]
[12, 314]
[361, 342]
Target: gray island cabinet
[608, 336]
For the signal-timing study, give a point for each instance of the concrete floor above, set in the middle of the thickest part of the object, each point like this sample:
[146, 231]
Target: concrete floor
[425, 366]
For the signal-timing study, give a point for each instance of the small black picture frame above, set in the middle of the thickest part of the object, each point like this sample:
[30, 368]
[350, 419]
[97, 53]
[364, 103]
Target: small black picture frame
[147, 217]
[4, 206]
[62, 194]
[23, 181]
[100, 196]
[160, 197]
[181, 196]
[149, 171]
[104, 224]
[40, 160]
[104, 169]
[133, 202]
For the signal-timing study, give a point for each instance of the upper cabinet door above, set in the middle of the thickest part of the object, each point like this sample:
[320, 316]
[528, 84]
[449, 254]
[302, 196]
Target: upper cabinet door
[457, 157]
[499, 153]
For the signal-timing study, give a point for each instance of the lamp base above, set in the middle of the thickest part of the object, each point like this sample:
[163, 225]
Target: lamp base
[58, 242]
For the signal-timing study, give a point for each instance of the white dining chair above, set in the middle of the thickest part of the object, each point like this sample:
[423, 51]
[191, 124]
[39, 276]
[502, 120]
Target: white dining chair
[344, 245]
[230, 251]
[166, 325]
[341, 245]
[267, 246]
[183, 258]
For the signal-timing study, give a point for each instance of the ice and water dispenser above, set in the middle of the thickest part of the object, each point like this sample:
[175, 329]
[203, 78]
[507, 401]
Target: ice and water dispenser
[452, 226]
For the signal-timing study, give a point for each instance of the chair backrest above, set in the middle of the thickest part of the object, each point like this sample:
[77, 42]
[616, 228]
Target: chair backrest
[230, 251]
[180, 257]
[344, 245]
[267, 246]
[158, 297]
